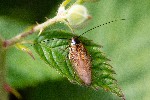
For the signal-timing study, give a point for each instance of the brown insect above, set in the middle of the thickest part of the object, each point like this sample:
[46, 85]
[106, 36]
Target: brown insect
[80, 60]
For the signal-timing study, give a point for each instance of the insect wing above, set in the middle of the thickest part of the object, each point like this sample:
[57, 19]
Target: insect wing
[81, 62]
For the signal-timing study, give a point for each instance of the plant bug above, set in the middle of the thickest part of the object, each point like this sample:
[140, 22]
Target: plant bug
[80, 58]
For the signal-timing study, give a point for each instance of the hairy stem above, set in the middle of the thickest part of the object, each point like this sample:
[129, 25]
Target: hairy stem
[3, 93]
[38, 27]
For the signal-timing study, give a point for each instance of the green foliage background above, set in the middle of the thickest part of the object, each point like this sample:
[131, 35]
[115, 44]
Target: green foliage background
[126, 43]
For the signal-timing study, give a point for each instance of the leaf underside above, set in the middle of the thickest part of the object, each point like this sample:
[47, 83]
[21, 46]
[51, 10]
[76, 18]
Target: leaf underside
[53, 48]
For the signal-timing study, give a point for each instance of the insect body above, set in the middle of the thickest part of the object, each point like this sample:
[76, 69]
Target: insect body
[80, 60]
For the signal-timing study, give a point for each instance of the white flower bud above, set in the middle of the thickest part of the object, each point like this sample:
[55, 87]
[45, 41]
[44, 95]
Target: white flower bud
[77, 15]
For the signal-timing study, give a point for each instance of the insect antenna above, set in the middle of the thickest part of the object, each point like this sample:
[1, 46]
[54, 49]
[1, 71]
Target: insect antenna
[99, 26]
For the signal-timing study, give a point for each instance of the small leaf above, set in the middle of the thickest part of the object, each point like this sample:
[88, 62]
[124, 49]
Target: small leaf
[53, 48]
[24, 49]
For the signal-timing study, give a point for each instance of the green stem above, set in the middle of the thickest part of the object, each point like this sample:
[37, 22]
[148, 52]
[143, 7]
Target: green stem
[3, 93]
[65, 3]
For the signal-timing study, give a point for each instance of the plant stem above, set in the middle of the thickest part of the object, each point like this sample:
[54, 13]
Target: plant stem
[38, 27]
[3, 93]
[65, 3]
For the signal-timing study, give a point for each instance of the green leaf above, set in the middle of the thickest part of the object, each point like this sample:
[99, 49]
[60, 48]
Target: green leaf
[53, 48]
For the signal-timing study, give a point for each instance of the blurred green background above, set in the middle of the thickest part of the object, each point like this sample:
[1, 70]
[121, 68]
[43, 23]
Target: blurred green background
[126, 43]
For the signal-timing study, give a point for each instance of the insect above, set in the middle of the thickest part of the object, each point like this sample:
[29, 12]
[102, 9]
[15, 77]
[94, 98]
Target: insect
[80, 58]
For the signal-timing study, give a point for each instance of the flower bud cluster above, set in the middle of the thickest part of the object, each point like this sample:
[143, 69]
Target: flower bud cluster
[77, 15]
